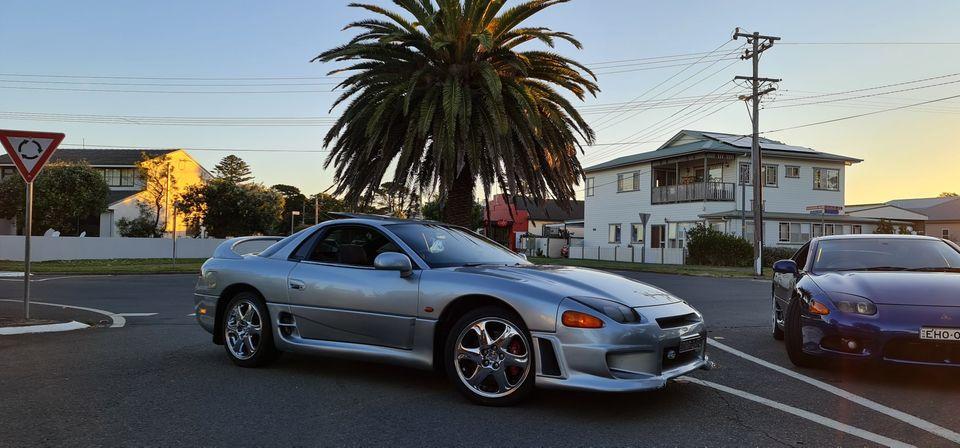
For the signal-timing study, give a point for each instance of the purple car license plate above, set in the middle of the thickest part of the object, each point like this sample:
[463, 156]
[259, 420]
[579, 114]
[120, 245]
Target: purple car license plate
[691, 343]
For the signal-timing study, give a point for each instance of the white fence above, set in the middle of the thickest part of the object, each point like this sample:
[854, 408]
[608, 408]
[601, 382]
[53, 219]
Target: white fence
[46, 248]
[632, 254]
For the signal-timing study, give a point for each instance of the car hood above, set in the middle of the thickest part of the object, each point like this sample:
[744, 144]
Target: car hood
[569, 281]
[896, 288]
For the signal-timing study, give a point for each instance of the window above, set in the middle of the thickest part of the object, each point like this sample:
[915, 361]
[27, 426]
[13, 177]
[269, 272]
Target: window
[628, 182]
[856, 229]
[828, 229]
[442, 246]
[801, 256]
[784, 232]
[826, 179]
[589, 185]
[791, 171]
[119, 177]
[636, 233]
[945, 233]
[355, 246]
[613, 236]
[658, 233]
[770, 175]
[793, 233]
[817, 230]
[745, 173]
[6, 171]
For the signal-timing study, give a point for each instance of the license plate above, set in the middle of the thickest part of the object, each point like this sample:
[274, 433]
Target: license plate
[940, 334]
[691, 344]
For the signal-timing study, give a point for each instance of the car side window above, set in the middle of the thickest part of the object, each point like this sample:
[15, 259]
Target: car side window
[801, 256]
[351, 245]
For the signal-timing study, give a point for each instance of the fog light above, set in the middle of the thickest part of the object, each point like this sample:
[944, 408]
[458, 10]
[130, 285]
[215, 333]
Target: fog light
[852, 345]
[671, 354]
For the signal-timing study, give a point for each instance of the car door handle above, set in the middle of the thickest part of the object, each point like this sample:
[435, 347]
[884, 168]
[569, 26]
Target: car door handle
[297, 284]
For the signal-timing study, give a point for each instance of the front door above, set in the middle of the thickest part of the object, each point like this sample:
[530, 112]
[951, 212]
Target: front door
[337, 295]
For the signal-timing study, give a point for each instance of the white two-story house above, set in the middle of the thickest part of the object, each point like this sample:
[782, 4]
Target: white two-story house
[704, 178]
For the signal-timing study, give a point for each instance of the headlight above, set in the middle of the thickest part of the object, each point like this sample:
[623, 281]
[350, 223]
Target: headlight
[616, 311]
[849, 303]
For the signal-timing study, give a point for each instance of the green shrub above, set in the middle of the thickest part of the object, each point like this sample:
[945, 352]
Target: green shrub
[772, 255]
[710, 247]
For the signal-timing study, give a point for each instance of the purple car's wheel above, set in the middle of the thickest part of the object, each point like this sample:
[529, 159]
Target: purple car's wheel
[490, 357]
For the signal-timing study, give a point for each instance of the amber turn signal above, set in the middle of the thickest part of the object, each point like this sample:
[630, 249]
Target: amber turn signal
[818, 308]
[580, 320]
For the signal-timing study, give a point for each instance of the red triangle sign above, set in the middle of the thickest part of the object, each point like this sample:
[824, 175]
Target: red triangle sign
[29, 150]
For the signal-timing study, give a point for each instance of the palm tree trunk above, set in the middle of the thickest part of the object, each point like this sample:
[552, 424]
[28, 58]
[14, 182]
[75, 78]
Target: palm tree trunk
[458, 209]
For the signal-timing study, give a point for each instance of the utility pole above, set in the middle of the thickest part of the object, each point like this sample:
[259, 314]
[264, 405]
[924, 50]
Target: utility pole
[760, 43]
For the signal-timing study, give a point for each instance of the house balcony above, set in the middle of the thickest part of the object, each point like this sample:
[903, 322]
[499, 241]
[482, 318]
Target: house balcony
[694, 192]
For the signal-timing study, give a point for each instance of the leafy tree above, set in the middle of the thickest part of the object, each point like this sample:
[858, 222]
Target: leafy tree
[947, 194]
[233, 169]
[293, 200]
[431, 210]
[160, 181]
[884, 227]
[442, 94]
[63, 195]
[226, 209]
[398, 200]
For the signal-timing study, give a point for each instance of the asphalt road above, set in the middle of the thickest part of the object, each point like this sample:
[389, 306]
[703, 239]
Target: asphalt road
[160, 381]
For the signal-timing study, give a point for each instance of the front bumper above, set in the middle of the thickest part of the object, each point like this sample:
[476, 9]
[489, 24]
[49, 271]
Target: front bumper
[893, 336]
[205, 310]
[619, 357]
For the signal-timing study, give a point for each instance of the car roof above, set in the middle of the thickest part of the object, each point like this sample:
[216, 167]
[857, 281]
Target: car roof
[868, 236]
[372, 219]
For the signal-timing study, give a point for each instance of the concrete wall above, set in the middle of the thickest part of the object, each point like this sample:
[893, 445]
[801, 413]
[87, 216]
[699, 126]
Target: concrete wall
[72, 248]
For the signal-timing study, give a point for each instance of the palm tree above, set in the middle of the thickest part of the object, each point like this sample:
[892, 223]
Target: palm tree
[440, 94]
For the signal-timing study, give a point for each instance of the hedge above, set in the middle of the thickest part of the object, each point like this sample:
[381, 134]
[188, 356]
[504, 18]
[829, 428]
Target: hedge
[710, 247]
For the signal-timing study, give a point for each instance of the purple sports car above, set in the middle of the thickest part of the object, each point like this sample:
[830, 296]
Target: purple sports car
[892, 298]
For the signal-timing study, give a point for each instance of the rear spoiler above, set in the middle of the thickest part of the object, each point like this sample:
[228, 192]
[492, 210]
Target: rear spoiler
[232, 248]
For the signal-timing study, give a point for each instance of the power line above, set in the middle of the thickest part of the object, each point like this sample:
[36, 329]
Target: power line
[170, 78]
[82, 145]
[869, 43]
[862, 115]
[932, 78]
[162, 84]
[232, 92]
[863, 96]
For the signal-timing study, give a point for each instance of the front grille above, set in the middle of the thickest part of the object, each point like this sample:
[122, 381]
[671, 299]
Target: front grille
[678, 321]
[931, 352]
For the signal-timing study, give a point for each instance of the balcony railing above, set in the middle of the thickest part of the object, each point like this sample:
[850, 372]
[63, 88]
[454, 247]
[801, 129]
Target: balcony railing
[708, 191]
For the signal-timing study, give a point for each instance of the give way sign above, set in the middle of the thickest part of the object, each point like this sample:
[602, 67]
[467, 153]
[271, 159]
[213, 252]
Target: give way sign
[29, 150]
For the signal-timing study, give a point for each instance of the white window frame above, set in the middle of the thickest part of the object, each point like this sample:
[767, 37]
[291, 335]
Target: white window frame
[945, 233]
[786, 171]
[766, 175]
[613, 236]
[621, 178]
[784, 237]
[633, 233]
[856, 229]
[589, 190]
[822, 180]
[749, 173]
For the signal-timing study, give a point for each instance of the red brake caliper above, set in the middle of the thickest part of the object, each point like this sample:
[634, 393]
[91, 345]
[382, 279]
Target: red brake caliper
[515, 347]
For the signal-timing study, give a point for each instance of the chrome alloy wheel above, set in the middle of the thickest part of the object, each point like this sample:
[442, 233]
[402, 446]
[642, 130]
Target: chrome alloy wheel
[492, 357]
[243, 328]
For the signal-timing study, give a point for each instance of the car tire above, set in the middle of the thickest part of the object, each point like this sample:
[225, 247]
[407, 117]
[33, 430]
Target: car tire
[793, 335]
[777, 330]
[505, 367]
[247, 331]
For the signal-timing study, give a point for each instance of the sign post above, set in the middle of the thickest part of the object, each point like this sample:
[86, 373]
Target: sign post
[29, 151]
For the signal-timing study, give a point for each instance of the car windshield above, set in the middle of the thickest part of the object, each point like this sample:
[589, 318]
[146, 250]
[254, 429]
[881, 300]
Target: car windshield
[442, 246]
[886, 254]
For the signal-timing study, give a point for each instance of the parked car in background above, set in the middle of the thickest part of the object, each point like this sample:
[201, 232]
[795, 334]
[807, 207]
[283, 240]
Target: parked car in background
[891, 298]
[428, 295]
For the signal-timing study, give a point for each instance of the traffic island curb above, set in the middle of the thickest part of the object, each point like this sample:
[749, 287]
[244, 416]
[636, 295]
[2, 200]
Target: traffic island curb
[53, 317]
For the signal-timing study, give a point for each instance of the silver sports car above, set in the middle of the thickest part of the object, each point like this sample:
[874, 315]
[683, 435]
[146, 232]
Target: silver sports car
[429, 295]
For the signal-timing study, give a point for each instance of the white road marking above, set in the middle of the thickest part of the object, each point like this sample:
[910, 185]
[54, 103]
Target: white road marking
[136, 314]
[50, 328]
[118, 320]
[816, 418]
[873, 405]
[192, 315]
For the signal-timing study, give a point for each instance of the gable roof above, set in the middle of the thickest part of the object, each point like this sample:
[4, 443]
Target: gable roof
[691, 142]
[99, 157]
[920, 203]
[948, 210]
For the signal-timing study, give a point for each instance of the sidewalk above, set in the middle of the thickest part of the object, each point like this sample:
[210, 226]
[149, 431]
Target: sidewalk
[42, 316]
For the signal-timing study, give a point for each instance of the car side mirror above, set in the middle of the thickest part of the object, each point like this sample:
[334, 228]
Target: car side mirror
[394, 261]
[786, 267]
[522, 255]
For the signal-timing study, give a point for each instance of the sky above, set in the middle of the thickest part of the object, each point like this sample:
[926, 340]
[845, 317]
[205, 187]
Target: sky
[119, 45]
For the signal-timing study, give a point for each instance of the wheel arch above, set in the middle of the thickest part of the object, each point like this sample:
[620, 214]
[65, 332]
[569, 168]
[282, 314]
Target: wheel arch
[457, 308]
[225, 296]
